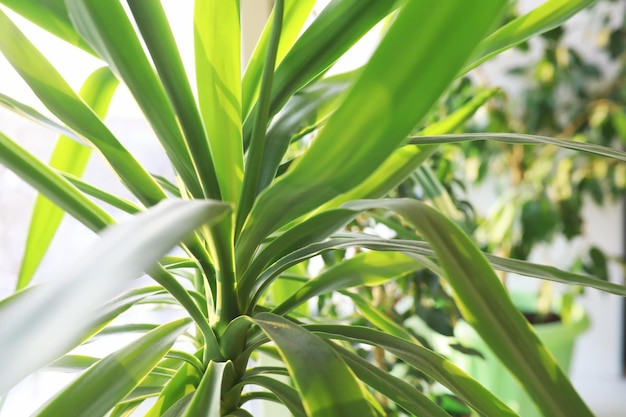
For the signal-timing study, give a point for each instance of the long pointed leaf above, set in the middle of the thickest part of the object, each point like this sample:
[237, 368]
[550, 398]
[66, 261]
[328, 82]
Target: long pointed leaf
[405, 395]
[52, 185]
[518, 138]
[102, 386]
[57, 95]
[304, 111]
[374, 117]
[37, 319]
[260, 117]
[50, 15]
[405, 160]
[367, 268]
[184, 382]
[71, 157]
[425, 360]
[333, 32]
[206, 399]
[217, 44]
[285, 394]
[485, 304]
[550, 14]
[331, 390]
[296, 12]
[32, 114]
[156, 32]
[108, 30]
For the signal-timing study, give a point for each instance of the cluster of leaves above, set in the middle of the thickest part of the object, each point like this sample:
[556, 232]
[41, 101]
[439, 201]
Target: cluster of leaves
[564, 93]
[253, 200]
[567, 93]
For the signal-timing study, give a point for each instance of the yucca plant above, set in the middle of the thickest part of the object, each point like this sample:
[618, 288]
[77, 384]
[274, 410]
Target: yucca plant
[269, 167]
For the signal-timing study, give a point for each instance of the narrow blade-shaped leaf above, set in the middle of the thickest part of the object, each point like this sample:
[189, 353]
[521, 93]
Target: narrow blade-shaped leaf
[102, 386]
[285, 394]
[547, 16]
[403, 161]
[259, 121]
[33, 115]
[303, 112]
[331, 390]
[405, 395]
[58, 96]
[485, 304]
[339, 26]
[296, 12]
[367, 268]
[157, 34]
[36, 318]
[374, 117]
[71, 157]
[52, 185]
[206, 399]
[50, 15]
[109, 31]
[524, 139]
[217, 42]
[184, 382]
[425, 360]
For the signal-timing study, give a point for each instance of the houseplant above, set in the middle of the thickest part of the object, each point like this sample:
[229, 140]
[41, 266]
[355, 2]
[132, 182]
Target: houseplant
[264, 200]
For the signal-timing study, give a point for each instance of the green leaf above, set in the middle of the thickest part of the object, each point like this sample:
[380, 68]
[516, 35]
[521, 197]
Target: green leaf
[517, 138]
[260, 118]
[63, 102]
[549, 15]
[72, 363]
[405, 395]
[35, 318]
[125, 409]
[424, 360]
[296, 13]
[102, 386]
[554, 274]
[218, 71]
[178, 291]
[52, 185]
[206, 399]
[157, 34]
[303, 112]
[183, 383]
[109, 31]
[113, 200]
[486, 306]
[71, 157]
[285, 394]
[314, 229]
[436, 194]
[50, 15]
[339, 26]
[378, 318]
[373, 119]
[32, 114]
[179, 407]
[367, 268]
[330, 390]
[403, 161]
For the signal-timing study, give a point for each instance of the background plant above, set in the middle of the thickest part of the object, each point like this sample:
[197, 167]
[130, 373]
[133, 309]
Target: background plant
[272, 187]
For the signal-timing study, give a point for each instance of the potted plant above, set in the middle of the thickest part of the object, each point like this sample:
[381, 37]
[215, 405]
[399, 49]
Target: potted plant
[268, 169]
[564, 94]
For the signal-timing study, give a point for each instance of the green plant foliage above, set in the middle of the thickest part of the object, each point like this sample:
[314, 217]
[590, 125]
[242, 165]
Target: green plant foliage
[271, 170]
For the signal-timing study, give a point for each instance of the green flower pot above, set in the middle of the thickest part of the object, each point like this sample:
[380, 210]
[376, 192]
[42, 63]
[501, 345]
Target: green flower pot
[558, 337]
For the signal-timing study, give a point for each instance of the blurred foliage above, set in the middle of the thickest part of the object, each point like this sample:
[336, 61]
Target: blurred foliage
[574, 90]
[568, 85]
